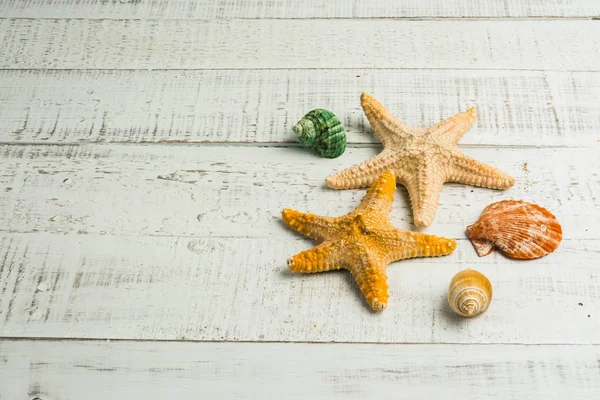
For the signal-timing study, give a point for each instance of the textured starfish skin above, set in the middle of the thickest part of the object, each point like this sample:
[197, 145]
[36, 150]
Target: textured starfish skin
[422, 159]
[363, 241]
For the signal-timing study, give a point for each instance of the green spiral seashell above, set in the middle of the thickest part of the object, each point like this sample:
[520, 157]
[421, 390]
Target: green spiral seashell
[323, 132]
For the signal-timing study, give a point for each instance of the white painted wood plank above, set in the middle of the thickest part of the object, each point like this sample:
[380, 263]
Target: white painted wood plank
[240, 289]
[514, 107]
[248, 44]
[465, 8]
[239, 191]
[125, 370]
[124, 287]
[133, 255]
[224, 9]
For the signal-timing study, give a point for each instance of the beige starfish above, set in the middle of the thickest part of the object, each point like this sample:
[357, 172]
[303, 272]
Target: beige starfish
[422, 159]
[363, 241]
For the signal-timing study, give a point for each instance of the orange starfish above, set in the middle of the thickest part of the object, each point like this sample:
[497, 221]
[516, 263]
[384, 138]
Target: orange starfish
[422, 159]
[363, 241]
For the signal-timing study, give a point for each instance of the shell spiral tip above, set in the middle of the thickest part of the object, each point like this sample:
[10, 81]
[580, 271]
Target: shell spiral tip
[297, 129]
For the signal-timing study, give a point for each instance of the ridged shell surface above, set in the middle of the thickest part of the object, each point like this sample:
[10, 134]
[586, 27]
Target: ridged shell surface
[470, 293]
[519, 229]
[322, 131]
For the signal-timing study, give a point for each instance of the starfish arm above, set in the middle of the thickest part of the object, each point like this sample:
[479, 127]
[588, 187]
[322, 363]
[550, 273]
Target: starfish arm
[424, 191]
[385, 126]
[369, 274]
[380, 196]
[313, 226]
[464, 169]
[398, 244]
[450, 130]
[361, 175]
[324, 257]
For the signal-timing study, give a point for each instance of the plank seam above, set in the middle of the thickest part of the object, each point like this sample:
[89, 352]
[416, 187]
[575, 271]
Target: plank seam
[310, 69]
[271, 144]
[591, 17]
[77, 339]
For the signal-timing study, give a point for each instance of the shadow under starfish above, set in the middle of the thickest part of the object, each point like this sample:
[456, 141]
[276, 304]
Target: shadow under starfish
[363, 241]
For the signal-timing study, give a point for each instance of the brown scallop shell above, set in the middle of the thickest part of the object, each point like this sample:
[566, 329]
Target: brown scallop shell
[519, 229]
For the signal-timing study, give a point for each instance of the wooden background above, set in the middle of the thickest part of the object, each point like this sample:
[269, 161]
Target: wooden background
[146, 153]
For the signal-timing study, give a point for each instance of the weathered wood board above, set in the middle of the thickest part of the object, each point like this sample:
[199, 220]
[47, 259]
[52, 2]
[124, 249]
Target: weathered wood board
[146, 153]
[152, 223]
[239, 191]
[153, 370]
[293, 9]
[304, 44]
[515, 108]
[240, 289]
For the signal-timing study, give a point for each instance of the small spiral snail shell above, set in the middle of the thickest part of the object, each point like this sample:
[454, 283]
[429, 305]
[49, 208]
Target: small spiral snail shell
[470, 293]
[322, 131]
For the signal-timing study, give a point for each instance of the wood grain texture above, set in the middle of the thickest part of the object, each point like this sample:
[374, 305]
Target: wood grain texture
[514, 107]
[142, 240]
[124, 370]
[293, 9]
[250, 44]
[168, 242]
[239, 191]
[240, 289]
